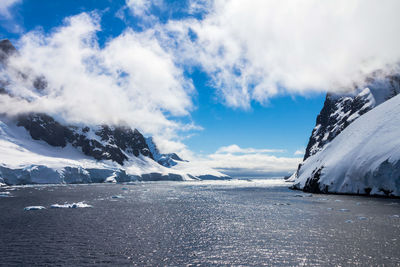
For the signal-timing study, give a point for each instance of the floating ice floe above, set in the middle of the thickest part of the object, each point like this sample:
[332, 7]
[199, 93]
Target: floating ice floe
[117, 196]
[344, 210]
[124, 188]
[281, 204]
[34, 208]
[329, 208]
[303, 195]
[395, 216]
[71, 206]
[349, 221]
[392, 204]
[362, 218]
[5, 194]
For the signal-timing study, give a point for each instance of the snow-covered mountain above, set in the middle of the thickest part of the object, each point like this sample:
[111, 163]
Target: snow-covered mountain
[36, 148]
[53, 153]
[339, 111]
[355, 145]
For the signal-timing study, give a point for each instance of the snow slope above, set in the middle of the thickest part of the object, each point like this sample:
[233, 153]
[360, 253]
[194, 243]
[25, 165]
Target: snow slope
[339, 111]
[27, 161]
[363, 159]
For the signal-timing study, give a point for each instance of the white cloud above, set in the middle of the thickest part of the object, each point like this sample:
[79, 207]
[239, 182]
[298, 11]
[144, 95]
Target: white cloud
[250, 162]
[132, 80]
[139, 7]
[142, 9]
[236, 149]
[299, 152]
[254, 50]
[5, 7]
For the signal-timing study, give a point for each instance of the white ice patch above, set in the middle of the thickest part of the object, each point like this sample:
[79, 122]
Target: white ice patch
[5, 194]
[34, 208]
[71, 206]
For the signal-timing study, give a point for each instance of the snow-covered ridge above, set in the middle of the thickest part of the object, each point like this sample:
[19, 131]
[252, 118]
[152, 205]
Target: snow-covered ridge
[363, 159]
[339, 111]
[24, 160]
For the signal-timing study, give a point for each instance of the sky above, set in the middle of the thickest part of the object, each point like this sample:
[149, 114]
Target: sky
[233, 84]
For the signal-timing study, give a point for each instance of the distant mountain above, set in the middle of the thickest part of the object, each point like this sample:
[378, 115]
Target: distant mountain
[167, 160]
[352, 148]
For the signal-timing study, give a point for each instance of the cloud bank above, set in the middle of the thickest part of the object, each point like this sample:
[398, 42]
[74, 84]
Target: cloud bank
[250, 162]
[255, 50]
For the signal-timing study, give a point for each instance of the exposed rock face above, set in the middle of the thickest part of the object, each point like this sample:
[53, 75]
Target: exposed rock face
[341, 110]
[102, 143]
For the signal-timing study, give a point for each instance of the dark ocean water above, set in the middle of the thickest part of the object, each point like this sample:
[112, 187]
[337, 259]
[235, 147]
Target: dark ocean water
[196, 224]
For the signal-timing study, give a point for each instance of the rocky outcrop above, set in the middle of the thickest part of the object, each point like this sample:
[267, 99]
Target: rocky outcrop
[104, 142]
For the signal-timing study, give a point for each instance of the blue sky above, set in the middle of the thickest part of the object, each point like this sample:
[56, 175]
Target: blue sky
[229, 73]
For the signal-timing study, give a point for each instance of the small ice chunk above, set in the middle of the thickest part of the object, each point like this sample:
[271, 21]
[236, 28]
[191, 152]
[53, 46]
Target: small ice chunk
[362, 218]
[124, 188]
[395, 216]
[358, 203]
[344, 210]
[117, 196]
[349, 221]
[338, 200]
[71, 206]
[303, 195]
[282, 204]
[329, 208]
[5, 194]
[34, 208]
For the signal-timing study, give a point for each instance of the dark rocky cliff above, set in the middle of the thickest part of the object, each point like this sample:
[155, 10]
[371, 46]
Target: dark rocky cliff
[103, 142]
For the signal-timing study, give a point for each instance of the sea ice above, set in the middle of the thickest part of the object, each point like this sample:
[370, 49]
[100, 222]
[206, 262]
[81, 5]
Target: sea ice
[71, 206]
[34, 208]
[344, 210]
[5, 194]
[282, 204]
